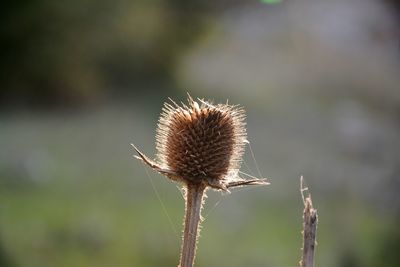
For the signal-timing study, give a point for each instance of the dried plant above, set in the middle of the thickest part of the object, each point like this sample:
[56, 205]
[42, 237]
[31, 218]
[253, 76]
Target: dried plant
[310, 222]
[201, 146]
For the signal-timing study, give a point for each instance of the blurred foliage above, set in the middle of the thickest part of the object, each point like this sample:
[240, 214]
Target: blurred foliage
[58, 52]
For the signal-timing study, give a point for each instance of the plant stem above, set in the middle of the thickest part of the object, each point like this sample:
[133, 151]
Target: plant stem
[310, 222]
[194, 202]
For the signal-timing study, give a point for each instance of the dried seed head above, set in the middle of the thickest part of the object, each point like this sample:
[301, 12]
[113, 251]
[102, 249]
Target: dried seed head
[201, 143]
[201, 146]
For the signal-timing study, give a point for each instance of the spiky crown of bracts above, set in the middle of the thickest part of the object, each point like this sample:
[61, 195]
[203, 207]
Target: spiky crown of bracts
[199, 142]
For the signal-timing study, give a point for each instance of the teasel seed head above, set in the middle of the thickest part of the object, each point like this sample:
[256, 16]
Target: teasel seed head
[201, 143]
[201, 146]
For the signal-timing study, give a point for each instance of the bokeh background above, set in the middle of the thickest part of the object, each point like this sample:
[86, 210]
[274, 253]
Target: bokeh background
[81, 80]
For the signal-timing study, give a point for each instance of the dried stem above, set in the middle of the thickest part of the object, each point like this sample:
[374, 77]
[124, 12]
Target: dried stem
[310, 221]
[194, 202]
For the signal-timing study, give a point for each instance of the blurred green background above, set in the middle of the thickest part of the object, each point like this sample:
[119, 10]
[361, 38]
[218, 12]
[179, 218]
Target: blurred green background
[81, 80]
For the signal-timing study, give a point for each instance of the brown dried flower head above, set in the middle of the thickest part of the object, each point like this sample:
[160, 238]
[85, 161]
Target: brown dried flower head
[201, 143]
